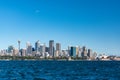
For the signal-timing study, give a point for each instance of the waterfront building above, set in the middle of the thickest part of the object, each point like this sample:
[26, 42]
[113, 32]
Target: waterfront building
[46, 49]
[29, 49]
[47, 55]
[77, 50]
[94, 55]
[10, 49]
[34, 53]
[89, 53]
[64, 53]
[69, 48]
[19, 53]
[80, 52]
[67, 53]
[58, 49]
[57, 54]
[3, 52]
[73, 52]
[15, 52]
[51, 48]
[84, 52]
[37, 46]
[42, 50]
[23, 52]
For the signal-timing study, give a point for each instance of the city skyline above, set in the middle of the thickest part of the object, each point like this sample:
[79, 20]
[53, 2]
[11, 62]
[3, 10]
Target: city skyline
[52, 51]
[94, 24]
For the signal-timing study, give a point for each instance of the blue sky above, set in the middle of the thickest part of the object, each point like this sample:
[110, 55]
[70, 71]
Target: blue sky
[91, 23]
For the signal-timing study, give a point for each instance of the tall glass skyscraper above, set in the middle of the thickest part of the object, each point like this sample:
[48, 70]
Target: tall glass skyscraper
[89, 53]
[58, 49]
[84, 52]
[73, 51]
[29, 48]
[51, 48]
[42, 49]
[37, 46]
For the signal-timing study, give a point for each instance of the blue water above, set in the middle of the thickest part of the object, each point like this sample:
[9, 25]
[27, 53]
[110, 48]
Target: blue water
[59, 70]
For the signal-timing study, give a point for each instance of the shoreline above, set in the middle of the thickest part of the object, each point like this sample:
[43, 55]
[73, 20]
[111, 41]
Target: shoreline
[32, 58]
[52, 60]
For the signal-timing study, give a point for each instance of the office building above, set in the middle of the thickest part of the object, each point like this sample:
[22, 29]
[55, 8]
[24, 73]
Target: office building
[15, 52]
[42, 50]
[29, 49]
[51, 48]
[58, 49]
[69, 48]
[84, 52]
[80, 52]
[23, 52]
[37, 46]
[89, 53]
[46, 49]
[73, 52]
[77, 50]
[10, 49]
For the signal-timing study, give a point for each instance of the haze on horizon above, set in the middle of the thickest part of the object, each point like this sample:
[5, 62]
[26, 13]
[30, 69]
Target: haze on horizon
[91, 23]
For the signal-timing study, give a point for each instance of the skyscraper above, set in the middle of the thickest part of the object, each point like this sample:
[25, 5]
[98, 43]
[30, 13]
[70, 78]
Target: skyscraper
[15, 52]
[80, 52]
[10, 48]
[37, 46]
[77, 50]
[89, 53]
[23, 51]
[42, 49]
[58, 49]
[69, 48]
[46, 49]
[58, 46]
[29, 48]
[51, 48]
[84, 52]
[73, 52]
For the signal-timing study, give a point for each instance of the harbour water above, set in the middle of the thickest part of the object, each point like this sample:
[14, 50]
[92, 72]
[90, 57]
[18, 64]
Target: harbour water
[59, 70]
